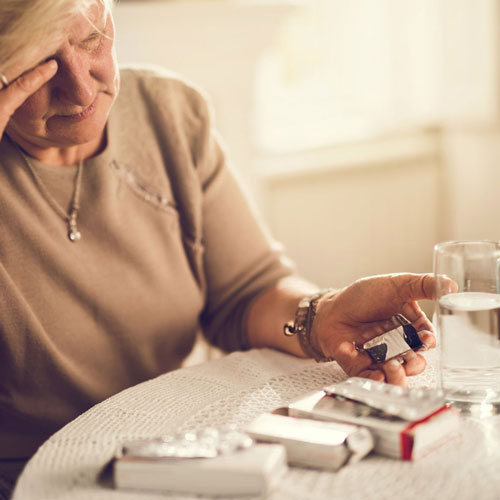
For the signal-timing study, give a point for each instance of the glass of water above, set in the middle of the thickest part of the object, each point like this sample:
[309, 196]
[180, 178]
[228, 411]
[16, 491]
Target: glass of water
[467, 324]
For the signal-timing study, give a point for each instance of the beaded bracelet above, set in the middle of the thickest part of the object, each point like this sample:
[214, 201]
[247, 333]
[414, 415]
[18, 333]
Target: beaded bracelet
[302, 325]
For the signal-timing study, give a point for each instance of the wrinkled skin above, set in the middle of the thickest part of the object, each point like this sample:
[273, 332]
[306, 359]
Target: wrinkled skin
[348, 318]
[56, 110]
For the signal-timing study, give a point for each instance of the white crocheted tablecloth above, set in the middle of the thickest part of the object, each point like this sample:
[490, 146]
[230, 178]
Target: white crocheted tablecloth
[235, 389]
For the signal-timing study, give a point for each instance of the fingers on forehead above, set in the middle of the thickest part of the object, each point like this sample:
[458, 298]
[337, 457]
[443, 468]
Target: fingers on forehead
[21, 88]
[26, 65]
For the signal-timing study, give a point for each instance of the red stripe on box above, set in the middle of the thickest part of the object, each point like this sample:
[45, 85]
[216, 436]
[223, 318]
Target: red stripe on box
[406, 439]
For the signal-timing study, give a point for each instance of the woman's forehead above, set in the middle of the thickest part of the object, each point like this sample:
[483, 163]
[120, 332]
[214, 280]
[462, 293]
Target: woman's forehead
[72, 28]
[79, 26]
[94, 14]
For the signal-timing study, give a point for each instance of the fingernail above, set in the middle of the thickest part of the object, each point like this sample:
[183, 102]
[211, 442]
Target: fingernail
[410, 355]
[424, 346]
[52, 65]
[393, 365]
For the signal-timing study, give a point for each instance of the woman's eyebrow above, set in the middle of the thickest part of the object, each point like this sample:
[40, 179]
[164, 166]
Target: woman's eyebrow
[79, 39]
[94, 27]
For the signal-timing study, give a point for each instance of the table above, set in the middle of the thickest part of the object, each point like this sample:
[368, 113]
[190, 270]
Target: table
[235, 389]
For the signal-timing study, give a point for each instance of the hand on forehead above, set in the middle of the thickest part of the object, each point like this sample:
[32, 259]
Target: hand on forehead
[73, 30]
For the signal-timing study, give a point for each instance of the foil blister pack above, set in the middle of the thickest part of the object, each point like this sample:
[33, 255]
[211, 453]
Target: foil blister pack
[206, 443]
[408, 404]
[395, 343]
[209, 462]
[405, 423]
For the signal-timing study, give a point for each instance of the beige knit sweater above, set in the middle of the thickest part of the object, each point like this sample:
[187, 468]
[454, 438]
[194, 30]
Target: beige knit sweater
[169, 245]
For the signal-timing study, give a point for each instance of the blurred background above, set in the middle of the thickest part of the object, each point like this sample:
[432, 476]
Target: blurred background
[365, 131]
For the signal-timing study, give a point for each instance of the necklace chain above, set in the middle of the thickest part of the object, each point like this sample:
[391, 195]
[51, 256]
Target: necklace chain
[70, 217]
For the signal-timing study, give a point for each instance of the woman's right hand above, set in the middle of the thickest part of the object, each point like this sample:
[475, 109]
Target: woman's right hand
[22, 86]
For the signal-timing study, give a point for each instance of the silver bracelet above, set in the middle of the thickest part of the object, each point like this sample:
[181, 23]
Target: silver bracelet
[302, 325]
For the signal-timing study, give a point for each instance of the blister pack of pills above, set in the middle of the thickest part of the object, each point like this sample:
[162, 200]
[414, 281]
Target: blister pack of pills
[208, 462]
[206, 443]
[408, 404]
[394, 343]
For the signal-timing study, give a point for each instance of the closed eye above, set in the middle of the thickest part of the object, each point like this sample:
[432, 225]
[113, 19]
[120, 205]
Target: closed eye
[92, 42]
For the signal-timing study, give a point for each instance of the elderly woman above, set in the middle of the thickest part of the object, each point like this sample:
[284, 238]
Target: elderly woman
[123, 233]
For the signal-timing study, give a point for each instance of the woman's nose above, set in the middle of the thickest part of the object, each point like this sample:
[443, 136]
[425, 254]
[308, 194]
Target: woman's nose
[74, 82]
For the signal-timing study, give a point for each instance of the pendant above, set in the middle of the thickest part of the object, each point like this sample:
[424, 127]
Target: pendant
[74, 234]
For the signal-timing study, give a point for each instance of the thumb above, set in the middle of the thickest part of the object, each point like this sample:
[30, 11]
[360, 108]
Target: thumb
[411, 287]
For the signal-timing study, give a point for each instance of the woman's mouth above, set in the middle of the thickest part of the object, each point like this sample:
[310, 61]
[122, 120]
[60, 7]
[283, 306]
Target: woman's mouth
[82, 114]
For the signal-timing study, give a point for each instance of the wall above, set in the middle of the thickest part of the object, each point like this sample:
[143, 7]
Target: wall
[472, 165]
[358, 209]
[471, 119]
[214, 44]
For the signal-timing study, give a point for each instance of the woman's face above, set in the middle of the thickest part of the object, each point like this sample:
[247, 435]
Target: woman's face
[72, 108]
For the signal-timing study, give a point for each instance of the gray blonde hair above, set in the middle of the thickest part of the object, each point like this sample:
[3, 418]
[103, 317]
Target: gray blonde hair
[26, 25]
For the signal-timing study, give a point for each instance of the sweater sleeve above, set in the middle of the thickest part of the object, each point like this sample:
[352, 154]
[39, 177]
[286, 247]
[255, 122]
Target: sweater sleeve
[232, 255]
[240, 257]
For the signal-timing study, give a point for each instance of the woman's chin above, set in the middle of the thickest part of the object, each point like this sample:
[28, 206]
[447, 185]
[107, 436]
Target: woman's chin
[67, 132]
